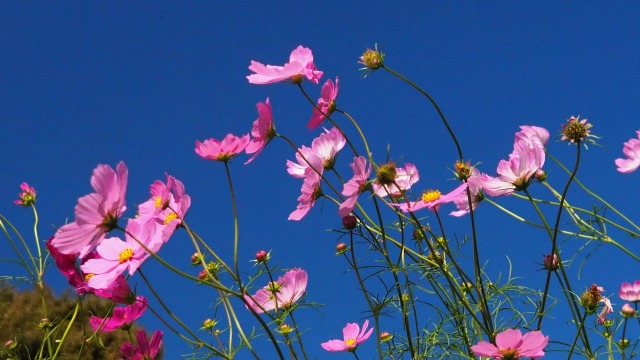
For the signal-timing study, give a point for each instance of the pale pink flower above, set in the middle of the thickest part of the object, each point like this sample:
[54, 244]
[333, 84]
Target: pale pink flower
[145, 350]
[432, 199]
[405, 178]
[356, 185]
[166, 207]
[96, 213]
[262, 132]
[325, 146]
[515, 173]
[326, 104]
[310, 190]
[121, 318]
[630, 292]
[28, 195]
[230, 146]
[533, 133]
[475, 187]
[117, 256]
[631, 150]
[300, 65]
[279, 295]
[352, 337]
[510, 344]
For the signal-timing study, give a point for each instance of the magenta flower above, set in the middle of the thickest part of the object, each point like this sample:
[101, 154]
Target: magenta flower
[121, 318]
[281, 294]
[326, 104]
[224, 150]
[167, 206]
[510, 344]
[117, 256]
[27, 197]
[145, 350]
[310, 191]
[533, 133]
[356, 185]
[631, 150]
[516, 173]
[404, 179]
[353, 337]
[96, 213]
[262, 132]
[300, 65]
[630, 292]
[462, 202]
[432, 199]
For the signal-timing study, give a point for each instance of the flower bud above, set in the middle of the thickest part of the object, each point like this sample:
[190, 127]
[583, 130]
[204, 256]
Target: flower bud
[540, 175]
[385, 336]
[204, 275]
[196, 259]
[372, 59]
[349, 222]
[28, 195]
[262, 256]
[551, 262]
[341, 248]
[467, 287]
[208, 324]
[284, 329]
[10, 344]
[590, 298]
[623, 343]
[628, 310]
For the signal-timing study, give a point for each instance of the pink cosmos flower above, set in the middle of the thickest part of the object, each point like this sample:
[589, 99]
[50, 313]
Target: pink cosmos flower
[405, 178]
[310, 190]
[300, 65]
[510, 344]
[145, 350]
[432, 200]
[116, 256]
[630, 292]
[515, 173]
[96, 213]
[325, 147]
[326, 104]
[287, 290]
[121, 318]
[224, 150]
[353, 337]
[533, 133]
[167, 206]
[462, 202]
[262, 132]
[631, 150]
[27, 197]
[357, 184]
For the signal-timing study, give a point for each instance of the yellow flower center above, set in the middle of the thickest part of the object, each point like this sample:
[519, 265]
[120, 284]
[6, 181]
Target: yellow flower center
[351, 344]
[88, 276]
[170, 217]
[508, 354]
[430, 195]
[125, 255]
[158, 202]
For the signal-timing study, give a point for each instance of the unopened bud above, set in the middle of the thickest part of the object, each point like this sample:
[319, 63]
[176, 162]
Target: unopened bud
[540, 175]
[284, 329]
[341, 248]
[623, 343]
[10, 344]
[196, 259]
[262, 256]
[208, 324]
[551, 262]
[349, 222]
[628, 310]
[385, 336]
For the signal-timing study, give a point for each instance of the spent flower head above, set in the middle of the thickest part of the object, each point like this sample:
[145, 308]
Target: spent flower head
[372, 59]
[577, 131]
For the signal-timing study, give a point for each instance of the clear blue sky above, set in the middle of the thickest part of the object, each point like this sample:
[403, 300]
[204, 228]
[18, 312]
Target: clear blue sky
[87, 83]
